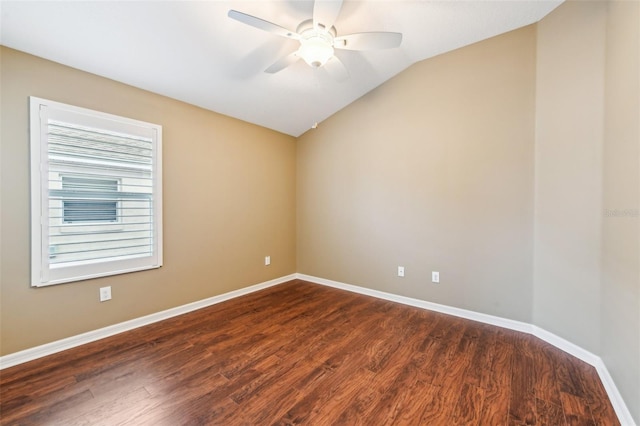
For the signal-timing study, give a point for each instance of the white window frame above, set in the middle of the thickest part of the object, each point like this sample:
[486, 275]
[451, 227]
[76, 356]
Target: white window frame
[42, 273]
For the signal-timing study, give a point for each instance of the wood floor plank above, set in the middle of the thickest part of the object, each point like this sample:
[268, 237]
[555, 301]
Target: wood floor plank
[51, 406]
[342, 395]
[546, 384]
[522, 405]
[549, 413]
[114, 411]
[439, 408]
[576, 410]
[443, 348]
[357, 412]
[261, 412]
[469, 405]
[320, 386]
[569, 377]
[301, 353]
[270, 369]
[497, 384]
[480, 363]
[394, 401]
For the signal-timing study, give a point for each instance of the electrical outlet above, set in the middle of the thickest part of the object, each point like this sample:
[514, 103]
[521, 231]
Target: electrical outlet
[435, 277]
[267, 260]
[105, 293]
[401, 271]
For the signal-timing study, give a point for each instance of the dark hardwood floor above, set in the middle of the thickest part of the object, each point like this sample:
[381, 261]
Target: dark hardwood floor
[301, 353]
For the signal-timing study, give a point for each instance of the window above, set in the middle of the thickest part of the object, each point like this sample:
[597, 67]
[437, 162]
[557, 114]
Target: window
[92, 207]
[96, 196]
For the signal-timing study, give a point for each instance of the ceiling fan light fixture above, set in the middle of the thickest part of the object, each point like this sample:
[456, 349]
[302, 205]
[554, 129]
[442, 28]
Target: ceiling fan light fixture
[315, 50]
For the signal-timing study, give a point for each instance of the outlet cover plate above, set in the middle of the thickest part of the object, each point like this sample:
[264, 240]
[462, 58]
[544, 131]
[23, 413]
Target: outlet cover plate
[105, 293]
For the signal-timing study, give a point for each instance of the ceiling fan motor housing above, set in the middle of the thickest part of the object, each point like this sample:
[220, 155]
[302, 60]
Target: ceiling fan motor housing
[316, 43]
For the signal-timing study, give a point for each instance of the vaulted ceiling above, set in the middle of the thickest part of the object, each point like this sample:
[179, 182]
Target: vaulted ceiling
[192, 51]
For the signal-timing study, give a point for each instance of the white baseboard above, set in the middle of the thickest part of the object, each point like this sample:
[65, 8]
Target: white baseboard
[462, 313]
[91, 336]
[621, 409]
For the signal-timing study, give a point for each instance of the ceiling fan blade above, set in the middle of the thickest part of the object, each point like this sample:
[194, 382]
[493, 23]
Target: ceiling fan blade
[325, 13]
[336, 69]
[262, 24]
[282, 63]
[368, 41]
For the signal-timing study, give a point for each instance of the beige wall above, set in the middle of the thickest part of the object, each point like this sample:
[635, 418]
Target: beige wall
[587, 258]
[569, 138]
[432, 171]
[620, 327]
[229, 200]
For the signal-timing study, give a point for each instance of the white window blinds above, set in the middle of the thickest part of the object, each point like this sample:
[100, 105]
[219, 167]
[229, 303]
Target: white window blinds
[96, 194]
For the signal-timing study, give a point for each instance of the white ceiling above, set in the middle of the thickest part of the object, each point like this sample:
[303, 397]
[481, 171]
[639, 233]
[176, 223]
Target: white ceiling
[191, 50]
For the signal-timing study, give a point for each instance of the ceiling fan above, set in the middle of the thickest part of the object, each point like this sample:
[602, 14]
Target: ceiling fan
[318, 38]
